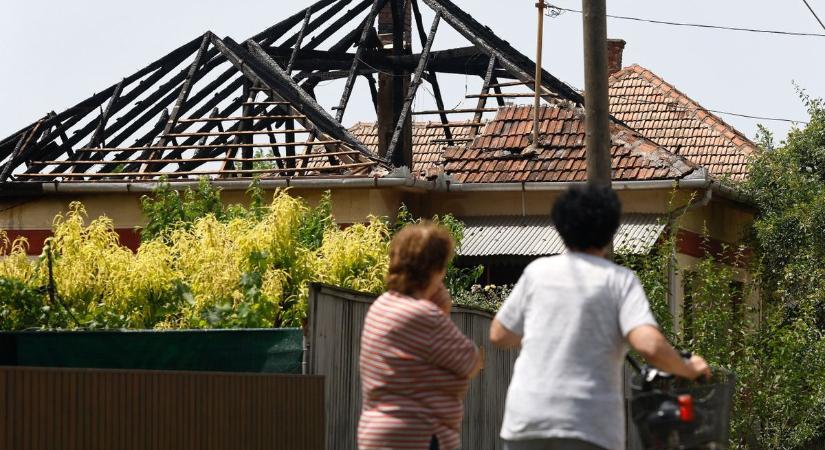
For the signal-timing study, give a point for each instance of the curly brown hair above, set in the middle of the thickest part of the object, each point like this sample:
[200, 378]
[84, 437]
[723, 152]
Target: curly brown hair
[416, 253]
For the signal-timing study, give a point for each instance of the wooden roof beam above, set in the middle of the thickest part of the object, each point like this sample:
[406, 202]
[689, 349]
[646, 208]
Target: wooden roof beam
[416, 82]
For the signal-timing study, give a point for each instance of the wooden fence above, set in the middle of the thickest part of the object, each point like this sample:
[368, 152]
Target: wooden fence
[336, 319]
[85, 409]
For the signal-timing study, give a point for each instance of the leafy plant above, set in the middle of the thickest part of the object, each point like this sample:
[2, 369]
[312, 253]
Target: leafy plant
[775, 345]
[782, 366]
[459, 280]
[167, 208]
[485, 298]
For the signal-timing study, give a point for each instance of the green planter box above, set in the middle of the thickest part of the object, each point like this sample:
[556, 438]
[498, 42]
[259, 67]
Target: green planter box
[256, 351]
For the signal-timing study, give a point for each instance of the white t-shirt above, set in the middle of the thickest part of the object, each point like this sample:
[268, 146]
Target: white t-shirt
[574, 312]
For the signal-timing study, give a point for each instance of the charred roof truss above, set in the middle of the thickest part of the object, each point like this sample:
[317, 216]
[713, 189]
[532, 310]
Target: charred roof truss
[219, 108]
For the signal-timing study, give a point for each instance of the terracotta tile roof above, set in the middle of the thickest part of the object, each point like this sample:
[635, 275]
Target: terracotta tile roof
[427, 155]
[493, 156]
[659, 111]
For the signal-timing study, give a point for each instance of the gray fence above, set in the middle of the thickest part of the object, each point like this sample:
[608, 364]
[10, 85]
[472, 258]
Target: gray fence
[336, 318]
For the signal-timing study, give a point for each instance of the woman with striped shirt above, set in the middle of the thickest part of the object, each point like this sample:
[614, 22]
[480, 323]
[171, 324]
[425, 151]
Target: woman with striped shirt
[415, 363]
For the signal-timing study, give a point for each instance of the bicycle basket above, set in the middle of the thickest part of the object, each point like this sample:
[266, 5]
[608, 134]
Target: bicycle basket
[709, 425]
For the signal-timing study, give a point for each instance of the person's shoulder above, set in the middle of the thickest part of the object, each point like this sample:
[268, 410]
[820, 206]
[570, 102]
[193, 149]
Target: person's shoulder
[403, 305]
[619, 271]
[541, 264]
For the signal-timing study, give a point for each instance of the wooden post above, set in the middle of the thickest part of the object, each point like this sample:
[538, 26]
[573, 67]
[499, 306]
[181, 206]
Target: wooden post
[482, 99]
[299, 41]
[399, 161]
[183, 94]
[538, 88]
[373, 90]
[597, 138]
[97, 137]
[245, 125]
[432, 78]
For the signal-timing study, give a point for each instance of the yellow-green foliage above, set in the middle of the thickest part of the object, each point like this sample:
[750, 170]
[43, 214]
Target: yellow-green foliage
[104, 281]
[14, 263]
[355, 258]
[252, 270]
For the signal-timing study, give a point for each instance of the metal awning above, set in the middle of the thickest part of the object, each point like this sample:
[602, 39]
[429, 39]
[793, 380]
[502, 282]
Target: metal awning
[536, 235]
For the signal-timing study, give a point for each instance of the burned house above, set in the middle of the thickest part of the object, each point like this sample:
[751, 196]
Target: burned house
[231, 111]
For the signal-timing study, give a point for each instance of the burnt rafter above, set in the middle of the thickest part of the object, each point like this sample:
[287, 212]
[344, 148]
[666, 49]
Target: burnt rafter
[215, 107]
[463, 61]
[419, 73]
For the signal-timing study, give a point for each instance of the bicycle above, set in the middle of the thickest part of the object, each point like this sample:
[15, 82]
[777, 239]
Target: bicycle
[672, 413]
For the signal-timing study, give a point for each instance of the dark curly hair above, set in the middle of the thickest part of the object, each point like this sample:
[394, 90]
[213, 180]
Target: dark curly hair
[416, 253]
[587, 216]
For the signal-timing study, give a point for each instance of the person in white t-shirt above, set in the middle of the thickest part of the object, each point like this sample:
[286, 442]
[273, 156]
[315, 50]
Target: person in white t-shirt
[573, 315]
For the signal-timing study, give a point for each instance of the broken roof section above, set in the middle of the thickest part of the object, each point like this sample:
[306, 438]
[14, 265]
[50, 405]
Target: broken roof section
[497, 155]
[428, 142]
[647, 103]
[217, 108]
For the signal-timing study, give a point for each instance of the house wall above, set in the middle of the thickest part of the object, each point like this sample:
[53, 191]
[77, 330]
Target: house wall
[721, 219]
[530, 203]
[724, 221]
[686, 264]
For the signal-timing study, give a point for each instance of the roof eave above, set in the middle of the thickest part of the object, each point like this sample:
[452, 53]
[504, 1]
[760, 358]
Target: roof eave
[718, 188]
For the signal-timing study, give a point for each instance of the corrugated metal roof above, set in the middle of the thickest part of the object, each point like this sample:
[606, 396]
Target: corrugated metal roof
[536, 235]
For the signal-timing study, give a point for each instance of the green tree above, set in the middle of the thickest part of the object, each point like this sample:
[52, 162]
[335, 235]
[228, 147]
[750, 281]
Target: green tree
[786, 369]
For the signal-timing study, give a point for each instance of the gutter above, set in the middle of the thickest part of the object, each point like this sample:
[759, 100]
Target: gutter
[400, 182]
[705, 182]
[561, 186]
[242, 185]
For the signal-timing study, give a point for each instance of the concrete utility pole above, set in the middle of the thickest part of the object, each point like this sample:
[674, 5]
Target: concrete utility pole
[596, 103]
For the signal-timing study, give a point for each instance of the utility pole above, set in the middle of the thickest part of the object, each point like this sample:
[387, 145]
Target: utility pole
[540, 5]
[597, 115]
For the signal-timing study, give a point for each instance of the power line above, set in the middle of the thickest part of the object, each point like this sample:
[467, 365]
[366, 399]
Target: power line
[814, 13]
[697, 25]
[757, 117]
[716, 111]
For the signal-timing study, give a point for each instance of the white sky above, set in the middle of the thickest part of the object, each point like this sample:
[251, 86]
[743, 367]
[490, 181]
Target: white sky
[56, 53]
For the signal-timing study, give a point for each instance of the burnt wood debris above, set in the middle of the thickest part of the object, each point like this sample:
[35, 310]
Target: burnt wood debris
[206, 107]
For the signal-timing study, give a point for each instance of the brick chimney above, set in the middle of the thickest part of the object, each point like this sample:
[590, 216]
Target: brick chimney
[392, 91]
[615, 48]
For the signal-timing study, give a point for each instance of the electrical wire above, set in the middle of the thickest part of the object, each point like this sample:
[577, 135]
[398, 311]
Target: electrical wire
[814, 13]
[716, 111]
[696, 25]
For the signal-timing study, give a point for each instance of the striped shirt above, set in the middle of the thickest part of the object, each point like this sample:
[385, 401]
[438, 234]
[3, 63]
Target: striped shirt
[414, 365]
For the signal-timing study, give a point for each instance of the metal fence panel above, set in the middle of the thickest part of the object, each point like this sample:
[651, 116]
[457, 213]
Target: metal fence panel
[249, 350]
[86, 409]
[335, 324]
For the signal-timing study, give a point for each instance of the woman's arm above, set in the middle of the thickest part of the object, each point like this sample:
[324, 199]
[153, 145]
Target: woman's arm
[500, 336]
[452, 350]
[652, 345]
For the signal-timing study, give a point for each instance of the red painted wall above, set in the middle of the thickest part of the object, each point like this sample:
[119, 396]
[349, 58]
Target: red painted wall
[129, 238]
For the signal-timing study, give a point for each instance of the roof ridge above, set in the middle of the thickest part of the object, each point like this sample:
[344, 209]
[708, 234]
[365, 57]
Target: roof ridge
[624, 71]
